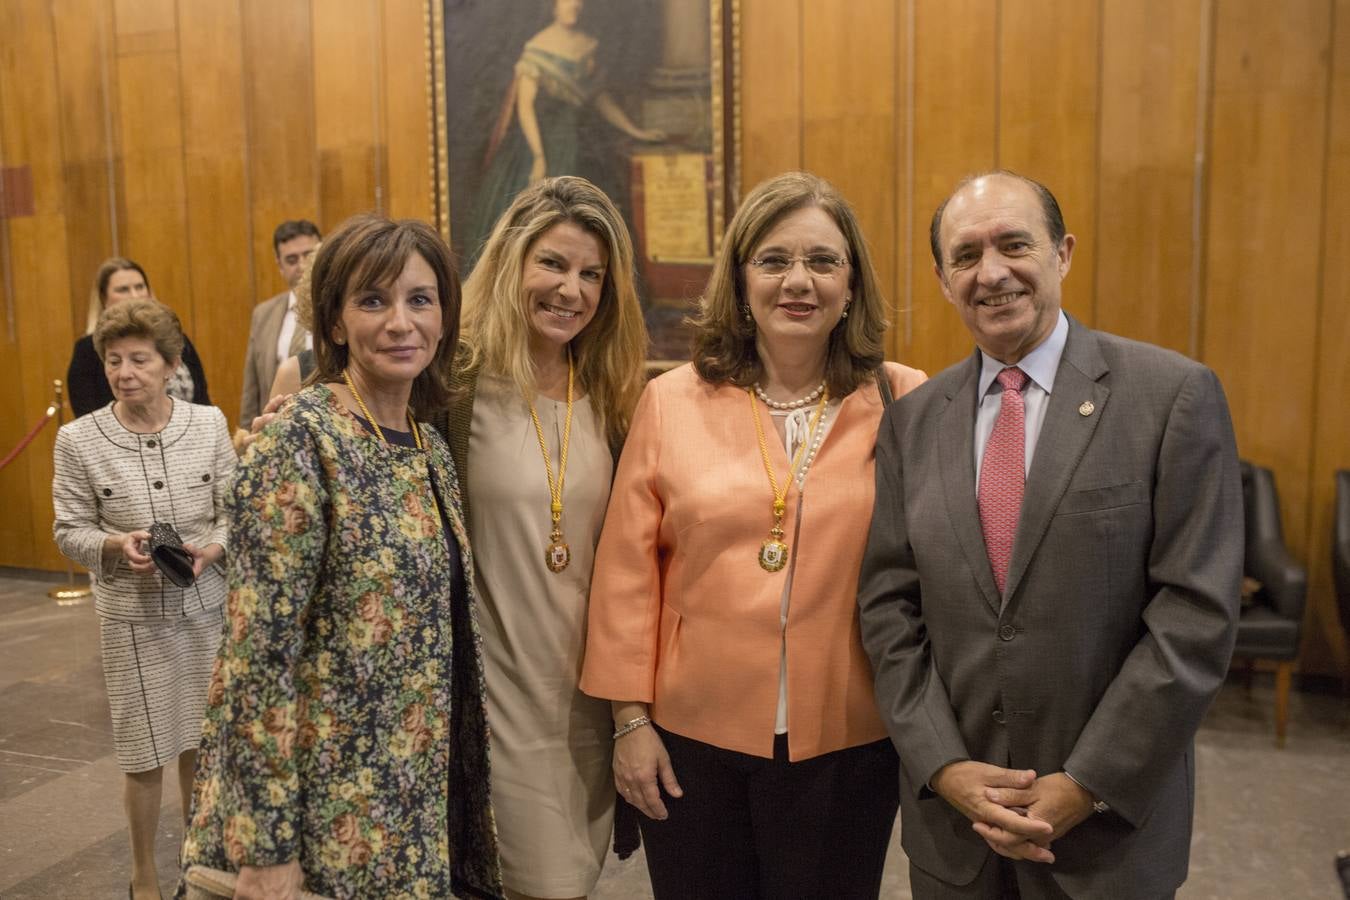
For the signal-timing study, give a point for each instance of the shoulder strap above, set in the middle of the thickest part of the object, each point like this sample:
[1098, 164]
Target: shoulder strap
[884, 385]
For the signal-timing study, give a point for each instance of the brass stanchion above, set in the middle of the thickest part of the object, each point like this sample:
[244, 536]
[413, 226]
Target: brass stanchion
[70, 593]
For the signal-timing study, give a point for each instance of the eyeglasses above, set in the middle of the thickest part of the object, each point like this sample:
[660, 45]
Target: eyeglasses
[777, 265]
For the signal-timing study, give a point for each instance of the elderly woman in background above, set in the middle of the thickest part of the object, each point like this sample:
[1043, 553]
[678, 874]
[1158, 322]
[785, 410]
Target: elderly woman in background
[345, 745]
[121, 279]
[549, 373]
[142, 459]
[722, 622]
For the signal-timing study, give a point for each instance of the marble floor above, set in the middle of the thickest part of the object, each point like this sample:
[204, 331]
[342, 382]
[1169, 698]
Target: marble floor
[1268, 822]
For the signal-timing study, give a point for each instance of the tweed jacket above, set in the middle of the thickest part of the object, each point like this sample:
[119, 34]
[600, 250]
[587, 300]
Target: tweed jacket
[682, 616]
[1116, 624]
[346, 725]
[260, 359]
[109, 480]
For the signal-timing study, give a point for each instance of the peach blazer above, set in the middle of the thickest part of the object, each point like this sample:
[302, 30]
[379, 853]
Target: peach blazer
[681, 615]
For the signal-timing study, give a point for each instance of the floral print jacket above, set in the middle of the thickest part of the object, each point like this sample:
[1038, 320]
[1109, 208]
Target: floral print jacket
[346, 726]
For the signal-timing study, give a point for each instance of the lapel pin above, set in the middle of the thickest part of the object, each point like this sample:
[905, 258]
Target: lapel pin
[1086, 409]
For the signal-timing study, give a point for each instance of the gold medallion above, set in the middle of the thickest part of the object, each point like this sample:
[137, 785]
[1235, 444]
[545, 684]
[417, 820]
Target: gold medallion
[773, 555]
[557, 554]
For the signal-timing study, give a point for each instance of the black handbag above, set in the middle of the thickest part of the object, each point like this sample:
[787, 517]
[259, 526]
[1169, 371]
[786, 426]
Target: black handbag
[166, 549]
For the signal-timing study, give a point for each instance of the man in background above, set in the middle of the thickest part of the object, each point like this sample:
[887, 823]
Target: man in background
[274, 333]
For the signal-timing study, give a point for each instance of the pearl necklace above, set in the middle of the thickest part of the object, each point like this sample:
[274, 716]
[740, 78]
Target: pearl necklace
[789, 404]
[815, 438]
[773, 553]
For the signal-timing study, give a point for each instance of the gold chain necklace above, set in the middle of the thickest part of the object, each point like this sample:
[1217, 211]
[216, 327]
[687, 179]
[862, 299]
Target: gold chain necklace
[351, 386]
[557, 554]
[773, 553]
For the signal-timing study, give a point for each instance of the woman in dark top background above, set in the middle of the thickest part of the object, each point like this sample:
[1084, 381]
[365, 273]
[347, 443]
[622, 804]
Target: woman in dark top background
[117, 279]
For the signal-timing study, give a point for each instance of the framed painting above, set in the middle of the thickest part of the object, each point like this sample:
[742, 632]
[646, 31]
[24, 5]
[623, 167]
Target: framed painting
[639, 96]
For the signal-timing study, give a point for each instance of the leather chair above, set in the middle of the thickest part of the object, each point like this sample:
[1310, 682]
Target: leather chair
[1272, 616]
[1340, 551]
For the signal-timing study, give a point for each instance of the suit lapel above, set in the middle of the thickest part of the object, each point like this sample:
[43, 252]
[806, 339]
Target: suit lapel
[267, 344]
[1063, 440]
[956, 439]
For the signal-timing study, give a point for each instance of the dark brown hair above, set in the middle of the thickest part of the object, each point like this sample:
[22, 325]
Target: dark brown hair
[1054, 218]
[724, 342]
[369, 250]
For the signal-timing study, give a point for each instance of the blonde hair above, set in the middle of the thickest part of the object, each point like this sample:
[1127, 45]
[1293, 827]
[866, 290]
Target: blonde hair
[610, 351]
[98, 294]
[304, 291]
[724, 341]
[147, 319]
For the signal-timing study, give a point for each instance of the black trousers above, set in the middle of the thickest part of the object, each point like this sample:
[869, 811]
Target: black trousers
[749, 828]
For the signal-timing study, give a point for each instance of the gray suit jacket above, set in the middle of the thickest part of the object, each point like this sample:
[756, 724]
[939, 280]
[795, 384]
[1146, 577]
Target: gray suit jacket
[260, 360]
[1118, 621]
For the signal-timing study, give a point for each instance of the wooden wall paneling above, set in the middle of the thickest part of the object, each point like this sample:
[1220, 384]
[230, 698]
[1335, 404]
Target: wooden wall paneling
[139, 20]
[771, 89]
[1264, 232]
[849, 107]
[216, 178]
[150, 139]
[347, 57]
[955, 117]
[405, 126]
[283, 171]
[30, 125]
[82, 45]
[1049, 60]
[1151, 102]
[900, 338]
[1324, 642]
[149, 114]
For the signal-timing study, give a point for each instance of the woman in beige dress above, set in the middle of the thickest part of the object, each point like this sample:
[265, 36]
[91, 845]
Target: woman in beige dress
[549, 371]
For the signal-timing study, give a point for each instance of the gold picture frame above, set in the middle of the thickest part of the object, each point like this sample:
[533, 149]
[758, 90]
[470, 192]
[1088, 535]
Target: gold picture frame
[669, 157]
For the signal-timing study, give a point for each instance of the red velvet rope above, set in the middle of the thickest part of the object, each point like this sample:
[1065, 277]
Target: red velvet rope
[28, 439]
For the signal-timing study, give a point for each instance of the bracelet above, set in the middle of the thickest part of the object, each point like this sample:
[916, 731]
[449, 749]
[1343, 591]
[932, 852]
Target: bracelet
[632, 725]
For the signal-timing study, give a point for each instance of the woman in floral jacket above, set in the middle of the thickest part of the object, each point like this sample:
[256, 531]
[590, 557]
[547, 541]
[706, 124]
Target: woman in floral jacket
[346, 743]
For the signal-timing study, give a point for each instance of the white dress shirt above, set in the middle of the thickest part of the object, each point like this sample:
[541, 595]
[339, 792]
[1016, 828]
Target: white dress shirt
[288, 327]
[1040, 365]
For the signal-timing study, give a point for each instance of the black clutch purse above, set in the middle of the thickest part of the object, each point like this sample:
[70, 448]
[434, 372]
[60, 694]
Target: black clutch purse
[166, 549]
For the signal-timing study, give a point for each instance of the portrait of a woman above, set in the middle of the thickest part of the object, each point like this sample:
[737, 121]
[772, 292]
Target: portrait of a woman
[553, 120]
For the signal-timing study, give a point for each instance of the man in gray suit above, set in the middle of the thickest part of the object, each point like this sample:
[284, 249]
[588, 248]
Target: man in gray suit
[1049, 595]
[274, 334]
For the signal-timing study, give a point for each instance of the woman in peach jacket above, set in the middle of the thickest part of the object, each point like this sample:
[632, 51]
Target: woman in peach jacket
[723, 626]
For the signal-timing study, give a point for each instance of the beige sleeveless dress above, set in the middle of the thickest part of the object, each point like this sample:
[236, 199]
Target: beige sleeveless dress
[551, 782]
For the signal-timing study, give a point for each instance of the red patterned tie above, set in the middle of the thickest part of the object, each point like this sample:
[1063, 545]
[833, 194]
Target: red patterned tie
[1003, 475]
